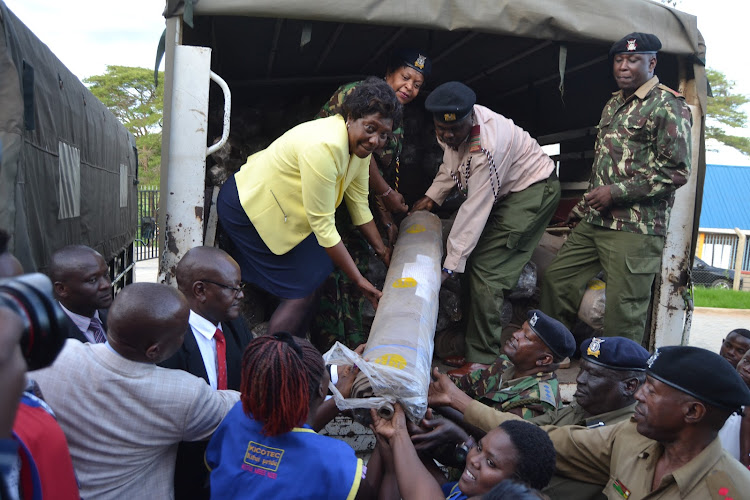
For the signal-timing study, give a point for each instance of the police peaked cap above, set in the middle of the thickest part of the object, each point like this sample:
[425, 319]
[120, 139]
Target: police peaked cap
[553, 333]
[701, 373]
[451, 102]
[414, 59]
[636, 43]
[616, 353]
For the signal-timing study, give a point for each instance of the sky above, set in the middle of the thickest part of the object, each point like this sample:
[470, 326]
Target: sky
[87, 35]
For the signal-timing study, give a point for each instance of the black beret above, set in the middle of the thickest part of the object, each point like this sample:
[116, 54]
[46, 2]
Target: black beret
[617, 353]
[636, 43]
[450, 102]
[701, 373]
[414, 59]
[553, 333]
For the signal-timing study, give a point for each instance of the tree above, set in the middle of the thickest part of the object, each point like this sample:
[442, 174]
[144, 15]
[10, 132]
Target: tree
[724, 111]
[133, 98]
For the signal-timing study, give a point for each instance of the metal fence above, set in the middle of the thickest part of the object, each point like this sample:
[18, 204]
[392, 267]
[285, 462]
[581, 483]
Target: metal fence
[718, 249]
[146, 246]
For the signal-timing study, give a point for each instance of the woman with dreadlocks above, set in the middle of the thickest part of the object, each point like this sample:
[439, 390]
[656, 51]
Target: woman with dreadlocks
[265, 447]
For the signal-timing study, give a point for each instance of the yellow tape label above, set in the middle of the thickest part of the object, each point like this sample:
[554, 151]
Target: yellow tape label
[416, 228]
[405, 283]
[393, 360]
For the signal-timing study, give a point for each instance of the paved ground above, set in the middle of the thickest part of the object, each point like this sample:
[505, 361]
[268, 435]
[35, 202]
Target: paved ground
[711, 324]
[146, 270]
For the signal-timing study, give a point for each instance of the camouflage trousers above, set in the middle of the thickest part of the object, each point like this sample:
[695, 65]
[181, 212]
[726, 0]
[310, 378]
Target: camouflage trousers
[630, 262]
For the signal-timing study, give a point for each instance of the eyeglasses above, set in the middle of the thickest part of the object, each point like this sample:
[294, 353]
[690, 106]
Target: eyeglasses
[236, 289]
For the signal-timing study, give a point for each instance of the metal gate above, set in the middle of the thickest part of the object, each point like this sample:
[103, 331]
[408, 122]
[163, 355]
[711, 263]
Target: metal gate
[145, 244]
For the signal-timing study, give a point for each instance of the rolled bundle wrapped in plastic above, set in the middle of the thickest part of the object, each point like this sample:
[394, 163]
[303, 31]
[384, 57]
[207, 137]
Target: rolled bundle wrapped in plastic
[395, 367]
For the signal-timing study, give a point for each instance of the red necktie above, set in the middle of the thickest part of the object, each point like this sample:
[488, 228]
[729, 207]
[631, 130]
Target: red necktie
[221, 360]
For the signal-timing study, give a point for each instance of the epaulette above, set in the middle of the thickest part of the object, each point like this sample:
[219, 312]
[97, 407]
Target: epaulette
[671, 91]
[546, 394]
[721, 486]
[474, 145]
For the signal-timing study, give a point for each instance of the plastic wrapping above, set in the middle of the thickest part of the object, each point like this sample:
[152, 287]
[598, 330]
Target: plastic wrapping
[591, 310]
[399, 351]
[526, 285]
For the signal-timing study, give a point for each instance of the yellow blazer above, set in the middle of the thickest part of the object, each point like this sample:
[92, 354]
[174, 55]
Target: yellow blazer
[293, 187]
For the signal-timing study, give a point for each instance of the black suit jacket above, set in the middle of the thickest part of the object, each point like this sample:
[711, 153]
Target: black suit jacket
[75, 333]
[191, 474]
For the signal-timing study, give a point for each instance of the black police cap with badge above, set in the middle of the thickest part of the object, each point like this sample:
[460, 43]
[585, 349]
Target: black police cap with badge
[413, 59]
[450, 102]
[553, 333]
[616, 353]
[636, 43]
[701, 373]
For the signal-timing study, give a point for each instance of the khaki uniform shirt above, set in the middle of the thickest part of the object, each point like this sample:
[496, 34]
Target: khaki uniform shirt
[504, 159]
[625, 460]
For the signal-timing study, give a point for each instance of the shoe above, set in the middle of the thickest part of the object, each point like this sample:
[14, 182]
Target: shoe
[565, 363]
[455, 361]
[466, 369]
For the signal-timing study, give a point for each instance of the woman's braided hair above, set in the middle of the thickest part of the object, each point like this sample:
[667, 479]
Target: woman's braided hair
[280, 376]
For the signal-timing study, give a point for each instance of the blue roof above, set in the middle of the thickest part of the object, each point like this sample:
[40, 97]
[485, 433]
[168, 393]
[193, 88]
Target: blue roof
[726, 198]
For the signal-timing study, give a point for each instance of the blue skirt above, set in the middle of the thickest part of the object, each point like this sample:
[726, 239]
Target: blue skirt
[293, 275]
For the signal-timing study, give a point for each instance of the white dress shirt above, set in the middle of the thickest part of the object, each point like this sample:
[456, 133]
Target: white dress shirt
[203, 331]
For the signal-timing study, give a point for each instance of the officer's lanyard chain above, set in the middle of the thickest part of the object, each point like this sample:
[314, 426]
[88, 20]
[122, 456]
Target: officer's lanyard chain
[457, 177]
[398, 170]
[495, 183]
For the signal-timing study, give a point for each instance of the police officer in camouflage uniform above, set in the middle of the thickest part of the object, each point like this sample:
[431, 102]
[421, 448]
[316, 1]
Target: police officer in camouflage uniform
[339, 315]
[642, 156]
[523, 380]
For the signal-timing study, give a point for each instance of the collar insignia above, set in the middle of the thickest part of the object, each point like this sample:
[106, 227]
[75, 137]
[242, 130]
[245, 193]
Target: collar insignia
[419, 63]
[631, 45]
[653, 357]
[595, 347]
[533, 320]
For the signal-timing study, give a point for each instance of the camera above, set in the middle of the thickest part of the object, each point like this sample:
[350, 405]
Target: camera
[45, 324]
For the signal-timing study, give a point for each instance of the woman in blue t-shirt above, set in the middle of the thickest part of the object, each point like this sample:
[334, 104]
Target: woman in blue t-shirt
[265, 447]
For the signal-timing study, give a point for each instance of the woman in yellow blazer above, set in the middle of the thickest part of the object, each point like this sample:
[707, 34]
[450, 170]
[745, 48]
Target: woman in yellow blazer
[279, 209]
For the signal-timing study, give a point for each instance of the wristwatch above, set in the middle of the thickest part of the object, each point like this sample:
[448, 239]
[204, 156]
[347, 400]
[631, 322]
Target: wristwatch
[462, 450]
[448, 272]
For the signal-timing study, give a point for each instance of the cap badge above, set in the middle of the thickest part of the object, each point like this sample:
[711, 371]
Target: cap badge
[653, 357]
[449, 117]
[595, 347]
[631, 45]
[420, 62]
[533, 320]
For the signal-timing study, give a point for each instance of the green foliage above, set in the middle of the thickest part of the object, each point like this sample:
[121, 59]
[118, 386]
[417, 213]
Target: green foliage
[717, 297]
[133, 98]
[724, 111]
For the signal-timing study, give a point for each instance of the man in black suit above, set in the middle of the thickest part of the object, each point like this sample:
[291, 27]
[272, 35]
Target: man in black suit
[213, 346]
[82, 286]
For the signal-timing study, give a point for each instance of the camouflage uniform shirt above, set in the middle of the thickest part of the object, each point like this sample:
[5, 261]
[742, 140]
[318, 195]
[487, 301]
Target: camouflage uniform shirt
[495, 386]
[643, 151]
[385, 158]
